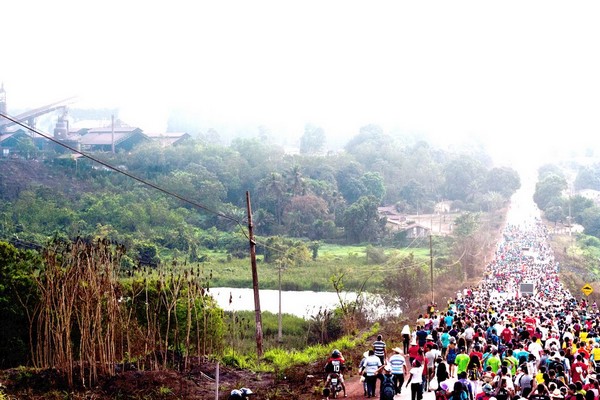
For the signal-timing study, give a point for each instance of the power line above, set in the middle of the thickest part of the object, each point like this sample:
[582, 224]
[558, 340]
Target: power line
[120, 171]
[138, 179]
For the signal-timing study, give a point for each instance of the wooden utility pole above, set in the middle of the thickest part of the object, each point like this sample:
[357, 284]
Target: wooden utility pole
[431, 267]
[257, 313]
[279, 324]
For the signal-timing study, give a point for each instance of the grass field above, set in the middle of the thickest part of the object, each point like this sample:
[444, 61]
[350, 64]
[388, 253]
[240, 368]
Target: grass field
[315, 275]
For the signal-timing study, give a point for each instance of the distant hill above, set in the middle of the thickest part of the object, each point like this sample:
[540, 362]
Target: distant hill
[17, 175]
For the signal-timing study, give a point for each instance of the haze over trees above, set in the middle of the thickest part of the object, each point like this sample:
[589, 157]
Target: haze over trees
[308, 195]
[299, 202]
[566, 193]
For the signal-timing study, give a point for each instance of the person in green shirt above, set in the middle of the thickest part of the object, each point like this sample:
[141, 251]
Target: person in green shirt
[461, 361]
[511, 362]
[494, 361]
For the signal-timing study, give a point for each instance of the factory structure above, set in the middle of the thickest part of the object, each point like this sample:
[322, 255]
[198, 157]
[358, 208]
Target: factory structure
[116, 137]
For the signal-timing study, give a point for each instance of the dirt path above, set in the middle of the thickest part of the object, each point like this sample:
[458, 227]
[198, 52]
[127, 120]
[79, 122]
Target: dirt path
[354, 390]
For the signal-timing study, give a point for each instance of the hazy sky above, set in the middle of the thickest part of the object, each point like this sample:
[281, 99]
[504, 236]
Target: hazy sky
[511, 72]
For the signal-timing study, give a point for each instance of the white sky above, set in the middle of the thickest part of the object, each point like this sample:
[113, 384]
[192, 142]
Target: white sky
[510, 72]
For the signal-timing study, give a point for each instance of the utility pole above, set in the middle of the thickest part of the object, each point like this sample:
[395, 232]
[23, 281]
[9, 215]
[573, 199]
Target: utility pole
[279, 322]
[257, 313]
[431, 267]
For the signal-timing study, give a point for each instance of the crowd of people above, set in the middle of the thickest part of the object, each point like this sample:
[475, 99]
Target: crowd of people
[518, 334]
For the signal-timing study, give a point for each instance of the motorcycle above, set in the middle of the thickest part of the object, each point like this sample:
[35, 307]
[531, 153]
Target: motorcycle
[334, 386]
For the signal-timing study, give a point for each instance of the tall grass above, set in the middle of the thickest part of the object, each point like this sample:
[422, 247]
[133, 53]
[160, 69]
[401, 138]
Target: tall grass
[280, 360]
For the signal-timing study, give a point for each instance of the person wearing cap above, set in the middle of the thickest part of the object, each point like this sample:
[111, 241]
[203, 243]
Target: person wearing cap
[486, 392]
[387, 380]
[413, 351]
[431, 354]
[557, 394]
[361, 370]
[336, 365]
[429, 342]
[397, 363]
[441, 393]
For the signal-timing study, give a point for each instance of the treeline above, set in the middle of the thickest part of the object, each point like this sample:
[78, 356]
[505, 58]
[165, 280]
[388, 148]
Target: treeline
[332, 197]
[559, 195]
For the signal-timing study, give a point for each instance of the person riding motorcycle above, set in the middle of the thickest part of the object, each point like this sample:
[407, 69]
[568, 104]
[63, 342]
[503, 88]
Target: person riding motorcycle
[336, 365]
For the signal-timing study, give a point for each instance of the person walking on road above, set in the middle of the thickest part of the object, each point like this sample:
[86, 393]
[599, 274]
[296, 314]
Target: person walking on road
[415, 379]
[451, 357]
[379, 349]
[462, 361]
[405, 338]
[371, 367]
[398, 364]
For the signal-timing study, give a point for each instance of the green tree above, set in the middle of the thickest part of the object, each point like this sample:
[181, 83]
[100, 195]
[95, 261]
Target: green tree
[413, 193]
[18, 299]
[313, 140]
[587, 178]
[302, 212]
[503, 180]
[404, 282]
[547, 189]
[550, 169]
[463, 178]
[374, 185]
[468, 244]
[362, 222]
[577, 205]
[272, 195]
[554, 214]
[590, 220]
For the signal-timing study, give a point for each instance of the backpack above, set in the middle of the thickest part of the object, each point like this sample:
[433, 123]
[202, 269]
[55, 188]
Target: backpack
[462, 395]
[388, 389]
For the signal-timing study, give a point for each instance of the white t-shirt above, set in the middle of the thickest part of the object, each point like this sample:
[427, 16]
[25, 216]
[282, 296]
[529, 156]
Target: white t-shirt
[416, 374]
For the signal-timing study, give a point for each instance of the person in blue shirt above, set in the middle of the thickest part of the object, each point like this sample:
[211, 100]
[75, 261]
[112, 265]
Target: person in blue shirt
[449, 319]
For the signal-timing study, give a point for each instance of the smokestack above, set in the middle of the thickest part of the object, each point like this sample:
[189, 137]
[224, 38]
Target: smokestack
[112, 130]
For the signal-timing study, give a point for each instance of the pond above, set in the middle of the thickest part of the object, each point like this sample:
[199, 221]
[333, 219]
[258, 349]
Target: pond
[302, 304]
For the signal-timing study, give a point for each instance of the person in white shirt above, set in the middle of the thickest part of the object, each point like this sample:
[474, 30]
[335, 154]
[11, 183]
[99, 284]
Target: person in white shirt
[370, 368]
[415, 379]
[397, 362]
[469, 334]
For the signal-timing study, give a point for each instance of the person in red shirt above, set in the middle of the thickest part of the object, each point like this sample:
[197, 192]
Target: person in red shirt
[506, 334]
[579, 370]
[413, 351]
[476, 352]
[335, 364]
[582, 350]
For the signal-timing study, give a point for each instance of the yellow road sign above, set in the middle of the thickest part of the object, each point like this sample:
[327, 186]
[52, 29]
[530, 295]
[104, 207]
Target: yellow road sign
[587, 289]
